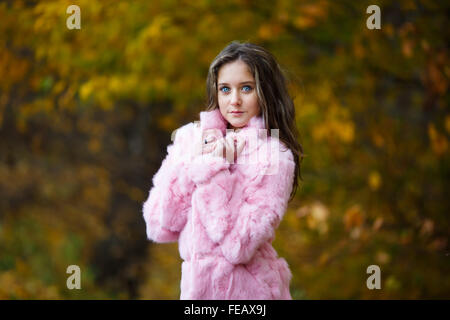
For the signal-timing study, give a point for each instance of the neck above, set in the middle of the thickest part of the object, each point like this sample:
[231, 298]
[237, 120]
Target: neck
[229, 126]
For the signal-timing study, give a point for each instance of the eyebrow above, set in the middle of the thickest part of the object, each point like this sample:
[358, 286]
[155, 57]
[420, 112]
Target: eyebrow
[222, 83]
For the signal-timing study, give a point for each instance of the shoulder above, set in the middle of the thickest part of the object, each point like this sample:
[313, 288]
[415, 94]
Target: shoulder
[279, 149]
[275, 161]
[181, 138]
[279, 170]
[280, 160]
[185, 133]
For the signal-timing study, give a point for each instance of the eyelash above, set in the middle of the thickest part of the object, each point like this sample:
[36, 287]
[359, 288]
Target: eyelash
[229, 88]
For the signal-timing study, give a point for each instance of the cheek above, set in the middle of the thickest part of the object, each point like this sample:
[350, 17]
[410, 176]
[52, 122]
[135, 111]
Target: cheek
[254, 104]
[221, 101]
[222, 108]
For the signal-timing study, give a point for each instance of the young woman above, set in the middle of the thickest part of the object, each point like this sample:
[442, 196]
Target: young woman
[225, 184]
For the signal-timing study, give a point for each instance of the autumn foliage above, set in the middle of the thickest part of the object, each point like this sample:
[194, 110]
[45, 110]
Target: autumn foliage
[86, 116]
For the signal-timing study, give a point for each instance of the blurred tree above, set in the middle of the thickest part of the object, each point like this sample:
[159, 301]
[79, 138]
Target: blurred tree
[86, 115]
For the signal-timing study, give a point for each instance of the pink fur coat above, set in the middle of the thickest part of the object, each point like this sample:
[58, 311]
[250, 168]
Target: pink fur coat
[224, 215]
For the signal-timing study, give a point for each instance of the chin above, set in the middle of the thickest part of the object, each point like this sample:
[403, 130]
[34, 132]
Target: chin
[237, 124]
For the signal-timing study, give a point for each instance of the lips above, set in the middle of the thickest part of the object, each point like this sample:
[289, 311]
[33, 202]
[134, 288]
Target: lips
[236, 112]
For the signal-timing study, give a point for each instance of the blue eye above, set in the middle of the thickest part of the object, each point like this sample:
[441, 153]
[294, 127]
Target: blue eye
[249, 88]
[221, 89]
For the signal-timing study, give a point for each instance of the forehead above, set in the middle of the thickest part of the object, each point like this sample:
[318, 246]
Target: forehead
[235, 72]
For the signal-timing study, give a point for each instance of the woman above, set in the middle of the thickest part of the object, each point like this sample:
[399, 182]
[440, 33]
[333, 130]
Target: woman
[226, 181]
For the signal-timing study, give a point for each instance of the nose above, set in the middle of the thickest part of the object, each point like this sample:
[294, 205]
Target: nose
[235, 98]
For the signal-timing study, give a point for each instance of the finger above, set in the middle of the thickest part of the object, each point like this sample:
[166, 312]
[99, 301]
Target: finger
[229, 150]
[208, 148]
[212, 134]
[232, 138]
[218, 148]
[209, 139]
[240, 146]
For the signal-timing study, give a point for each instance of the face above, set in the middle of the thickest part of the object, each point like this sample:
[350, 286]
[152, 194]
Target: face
[238, 101]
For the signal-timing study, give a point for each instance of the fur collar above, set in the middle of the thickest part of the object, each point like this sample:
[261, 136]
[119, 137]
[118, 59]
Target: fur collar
[214, 119]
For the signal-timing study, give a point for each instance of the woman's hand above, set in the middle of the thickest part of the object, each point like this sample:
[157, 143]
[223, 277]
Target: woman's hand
[228, 147]
[236, 144]
[208, 142]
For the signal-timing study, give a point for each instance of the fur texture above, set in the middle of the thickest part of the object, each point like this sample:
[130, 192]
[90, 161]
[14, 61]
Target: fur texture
[223, 215]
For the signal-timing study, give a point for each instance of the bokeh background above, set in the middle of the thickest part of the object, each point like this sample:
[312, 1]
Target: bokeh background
[86, 116]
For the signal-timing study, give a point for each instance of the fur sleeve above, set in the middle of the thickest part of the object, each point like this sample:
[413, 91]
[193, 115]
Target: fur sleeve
[205, 166]
[265, 203]
[169, 200]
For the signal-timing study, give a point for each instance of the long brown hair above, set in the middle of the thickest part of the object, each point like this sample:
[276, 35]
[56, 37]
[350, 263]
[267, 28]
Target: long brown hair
[277, 107]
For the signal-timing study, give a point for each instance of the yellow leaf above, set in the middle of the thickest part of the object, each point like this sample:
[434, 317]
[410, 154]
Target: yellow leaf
[439, 142]
[374, 180]
[86, 90]
[353, 217]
